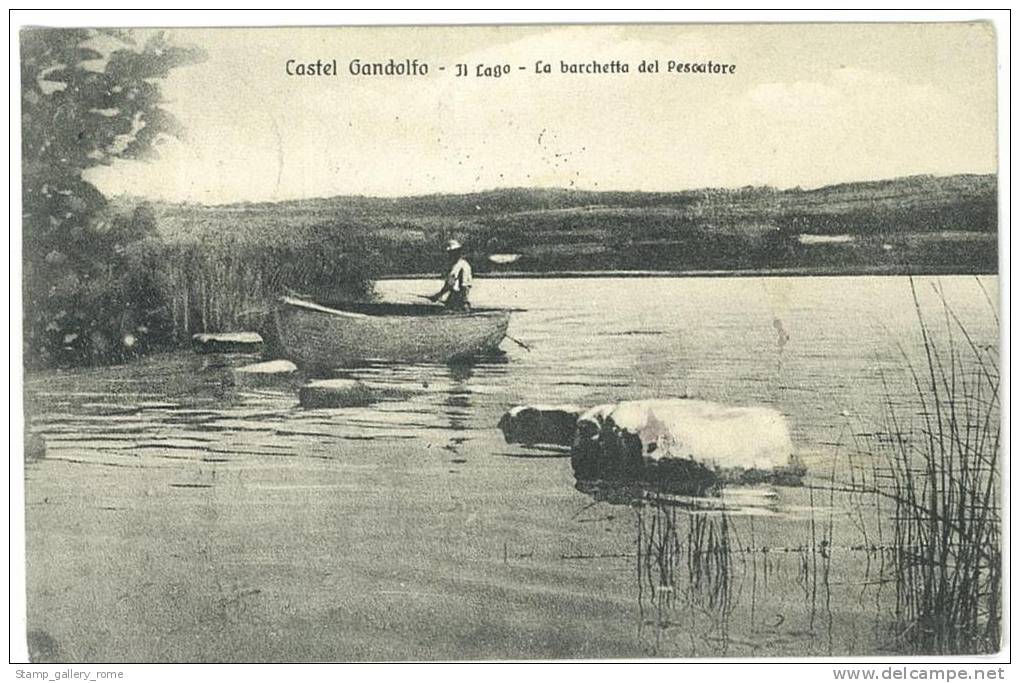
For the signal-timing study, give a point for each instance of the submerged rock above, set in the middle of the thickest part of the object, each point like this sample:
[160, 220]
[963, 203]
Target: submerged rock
[264, 373]
[555, 425]
[227, 342]
[682, 444]
[335, 393]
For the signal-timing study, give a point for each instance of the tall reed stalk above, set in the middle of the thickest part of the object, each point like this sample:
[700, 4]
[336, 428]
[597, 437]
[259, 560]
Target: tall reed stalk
[685, 571]
[941, 482]
[220, 282]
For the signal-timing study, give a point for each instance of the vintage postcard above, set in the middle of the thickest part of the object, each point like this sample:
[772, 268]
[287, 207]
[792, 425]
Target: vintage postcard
[511, 342]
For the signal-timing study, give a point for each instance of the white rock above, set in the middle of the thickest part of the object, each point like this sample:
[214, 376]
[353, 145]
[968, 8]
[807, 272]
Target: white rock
[697, 443]
[714, 435]
[264, 373]
[269, 367]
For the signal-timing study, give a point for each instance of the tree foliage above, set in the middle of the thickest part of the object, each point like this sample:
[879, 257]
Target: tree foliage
[88, 98]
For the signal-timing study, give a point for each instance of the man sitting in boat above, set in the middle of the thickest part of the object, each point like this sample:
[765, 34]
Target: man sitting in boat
[457, 286]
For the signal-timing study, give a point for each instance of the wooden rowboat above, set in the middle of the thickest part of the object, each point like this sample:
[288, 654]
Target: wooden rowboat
[316, 336]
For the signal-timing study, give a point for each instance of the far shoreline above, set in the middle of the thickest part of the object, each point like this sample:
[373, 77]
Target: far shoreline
[891, 271]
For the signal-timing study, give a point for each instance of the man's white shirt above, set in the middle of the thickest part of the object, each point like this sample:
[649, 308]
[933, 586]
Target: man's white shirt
[460, 275]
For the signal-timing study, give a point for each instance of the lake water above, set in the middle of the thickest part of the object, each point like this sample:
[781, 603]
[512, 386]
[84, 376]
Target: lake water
[177, 516]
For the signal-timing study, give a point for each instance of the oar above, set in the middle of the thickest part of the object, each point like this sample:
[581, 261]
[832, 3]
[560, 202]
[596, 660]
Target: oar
[519, 343]
[422, 296]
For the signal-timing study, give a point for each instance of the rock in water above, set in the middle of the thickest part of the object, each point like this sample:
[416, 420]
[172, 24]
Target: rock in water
[335, 393]
[227, 342]
[591, 421]
[264, 373]
[530, 425]
[35, 446]
[685, 444]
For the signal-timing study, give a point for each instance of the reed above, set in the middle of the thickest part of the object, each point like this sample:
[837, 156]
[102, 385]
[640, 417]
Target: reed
[940, 484]
[686, 573]
[221, 282]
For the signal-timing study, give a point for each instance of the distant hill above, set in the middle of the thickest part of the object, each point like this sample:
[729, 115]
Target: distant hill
[914, 224]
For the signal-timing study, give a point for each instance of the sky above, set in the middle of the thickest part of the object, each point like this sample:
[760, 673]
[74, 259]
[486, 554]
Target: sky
[808, 105]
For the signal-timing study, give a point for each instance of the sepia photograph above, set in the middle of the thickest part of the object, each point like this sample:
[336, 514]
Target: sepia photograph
[434, 343]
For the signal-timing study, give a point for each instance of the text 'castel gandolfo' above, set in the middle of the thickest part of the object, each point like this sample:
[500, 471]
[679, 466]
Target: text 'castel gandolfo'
[357, 67]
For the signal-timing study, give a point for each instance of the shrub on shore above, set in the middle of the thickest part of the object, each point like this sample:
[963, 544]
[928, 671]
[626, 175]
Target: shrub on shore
[89, 97]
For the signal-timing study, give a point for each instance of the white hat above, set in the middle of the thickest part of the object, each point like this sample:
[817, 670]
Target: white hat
[453, 245]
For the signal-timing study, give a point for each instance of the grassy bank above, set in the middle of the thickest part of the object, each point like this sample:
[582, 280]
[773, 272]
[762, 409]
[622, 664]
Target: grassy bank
[218, 262]
[906, 225]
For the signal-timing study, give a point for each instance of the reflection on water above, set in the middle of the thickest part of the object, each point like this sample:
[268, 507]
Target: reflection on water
[760, 500]
[715, 583]
[458, 397]
[684, 576]
[187, 407]
[420, 489]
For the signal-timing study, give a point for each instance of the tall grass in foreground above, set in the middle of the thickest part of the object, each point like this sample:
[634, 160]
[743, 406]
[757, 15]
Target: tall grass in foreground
[939, 477]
